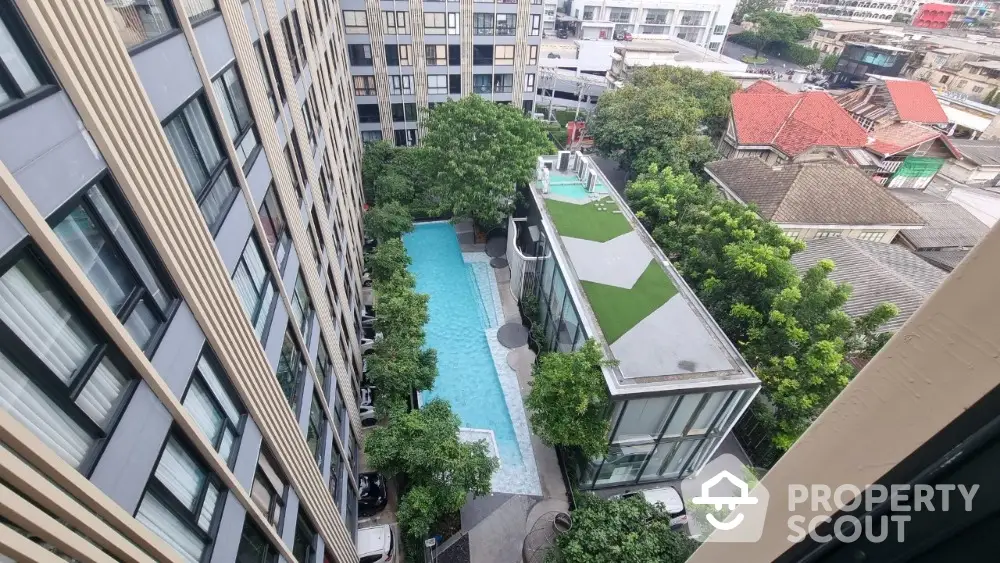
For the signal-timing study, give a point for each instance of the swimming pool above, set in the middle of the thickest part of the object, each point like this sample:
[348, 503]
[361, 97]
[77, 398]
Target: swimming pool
[568, 185]
[472, 371]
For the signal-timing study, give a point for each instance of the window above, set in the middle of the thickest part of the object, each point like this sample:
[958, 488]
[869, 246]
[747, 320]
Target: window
[694, 18]
[590, 13]
[22, 70]
[368, 113]
[436, 55]
[199, 9]
[532, 55]
[397, 55]
[529, 82]
[437, 84]
[396, 22]
[828, 234]
[268, 491]
[371, 136]
[402, 84]
[962, 83]
[355, 21]
[503, 83]
[977, 89]
[658, 17]
[323, 364]
[305, 540]
[293, 56]
[213, 405]
[719, 30]
[360, 55]
[454, 55]
[453, 23]
[482, 24]
[57, 374]
[197, 150]
[266, 74]
[336, 478]
[714, 46]
[536, 24]
[874, 236]
[236, 114]
[104, 246]
[794, 235]
[139, 22]
[504, 54]
[620, 15]
[254, 546]
[291, 366]
[454, 83]
[405, 137]
[180, 501]
[506, 24]
[404, 112]
[275, 227]
[481, 83]
[302, 307]
[434, 23]
[943, 79]
[315, 429]
[255, 287]
[482, 54]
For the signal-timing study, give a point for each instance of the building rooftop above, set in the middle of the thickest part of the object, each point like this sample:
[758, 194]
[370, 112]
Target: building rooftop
[882, 47]
[811, 194]
[841, 26]
[899, 137]
[981, 152]
[947, 224]
[764, 114]
[878, 273]
[994, 65]
[627, 293]
[915, 101]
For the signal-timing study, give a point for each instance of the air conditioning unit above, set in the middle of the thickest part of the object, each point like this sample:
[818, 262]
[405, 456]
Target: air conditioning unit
[591, 181]
[563, 160]
[580, 167]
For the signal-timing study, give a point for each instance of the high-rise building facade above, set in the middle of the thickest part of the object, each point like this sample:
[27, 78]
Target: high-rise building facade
[407, 56]
[702, 24]
[180, 281]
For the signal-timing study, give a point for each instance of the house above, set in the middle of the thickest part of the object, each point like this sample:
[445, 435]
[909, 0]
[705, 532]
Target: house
[909, 154]
[949, 233]
[968, 74]
[828, 39]
[885, 101]
[815, 200]
[978, 162]
[777, 126]
[878, 273]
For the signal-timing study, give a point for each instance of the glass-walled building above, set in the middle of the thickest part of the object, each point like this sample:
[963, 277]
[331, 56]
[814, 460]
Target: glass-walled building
[677, 383]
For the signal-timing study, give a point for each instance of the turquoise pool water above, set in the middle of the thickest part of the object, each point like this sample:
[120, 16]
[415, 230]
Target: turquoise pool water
[459, 316]
[568, 185]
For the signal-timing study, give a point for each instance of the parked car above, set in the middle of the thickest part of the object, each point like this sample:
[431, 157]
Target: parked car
[552, 56]
[372, 493]
[375, 544]
[562, 33]
[671, 500]
[368, 418]
[623, 36]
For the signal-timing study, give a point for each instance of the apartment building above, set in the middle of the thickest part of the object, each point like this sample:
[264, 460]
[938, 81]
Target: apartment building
[704, 24]
[180, 261]
[407, 56]
[854, 10]
[963, 75]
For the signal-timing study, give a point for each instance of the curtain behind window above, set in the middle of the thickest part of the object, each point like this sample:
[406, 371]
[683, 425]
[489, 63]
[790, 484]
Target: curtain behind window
[163, 523]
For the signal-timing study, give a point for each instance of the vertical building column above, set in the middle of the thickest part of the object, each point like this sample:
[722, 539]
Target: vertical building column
[521, 50]
[376, 31]
[467, 8]
[420, 59]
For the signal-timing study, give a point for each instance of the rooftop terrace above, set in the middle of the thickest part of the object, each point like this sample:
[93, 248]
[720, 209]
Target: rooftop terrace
[629, 296]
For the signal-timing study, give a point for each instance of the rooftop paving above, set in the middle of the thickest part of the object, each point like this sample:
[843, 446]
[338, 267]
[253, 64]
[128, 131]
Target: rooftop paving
[649, 320]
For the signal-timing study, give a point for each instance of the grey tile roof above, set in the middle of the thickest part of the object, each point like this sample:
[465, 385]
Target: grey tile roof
[947, 224]
[947, 260]
[983, 153]
[877, 272]
[813, 194]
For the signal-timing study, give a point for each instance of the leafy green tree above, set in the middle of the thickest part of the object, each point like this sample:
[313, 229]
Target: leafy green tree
[829, 62]
[387, 260]
[746, 7]
[568, 404]
[480, 152]
[397, 366]
[376, 158]
[777, 27]
[624, 531]
[400, 312]
[712, 90]
[634, 119]
[423, 445]
[993, 98]
[393, 186]
[387, 221]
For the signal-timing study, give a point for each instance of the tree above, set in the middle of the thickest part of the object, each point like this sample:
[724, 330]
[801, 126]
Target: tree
[745, 8]
[993, 98]
[387, 221]
[400, 312]
[480, 152]
[776, 27]
[633, 119]
[423, 445]
[393, 186]
[396, 367]
[712, 91]
[568, 404]
[377, 156]
[829, 62]
[387, 260]
[623, 530]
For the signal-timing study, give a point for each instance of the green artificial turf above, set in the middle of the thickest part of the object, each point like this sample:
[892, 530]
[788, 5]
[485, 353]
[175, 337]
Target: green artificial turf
[619, 309]
[588, 221]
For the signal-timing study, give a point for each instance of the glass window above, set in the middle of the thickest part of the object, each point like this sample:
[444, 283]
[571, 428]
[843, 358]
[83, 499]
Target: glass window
[536, 24]
[302, 307]
[434, 23]
[254, 546]
[504, 54]
[454, 83]
[323, 364]
[658, 17]
[669, 460]
[503, 83]
[371, 136]
[213, 405]
[314, 431]
[336, 478]
[709, 412]
[533, 54]
[368, 113]
[453, 24]
[268, 491]
[355, 21]
[304, 547]
[682, 415]
[291, 366]
[199, 9]
[437, 84]
[404, 112]
[255, 287]
[360, 55]
[180, 501]
[293, 55]
[454, 55]
[404, 55]
[266, 75]
[482, 24]
[481, 83]
[21, 64]
[138, 22]
[403, 84]
[529, 82]
[506, 24]
[47, 352]
[482, 54]
[236, 113]
[100, 241]
[364, 85]
[436, 55]
[396, 22]
[200, 157]
[623, 464]
[275, 228]
[643, 419]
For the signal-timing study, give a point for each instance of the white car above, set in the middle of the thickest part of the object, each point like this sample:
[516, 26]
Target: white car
[671, 500]
[375, 545]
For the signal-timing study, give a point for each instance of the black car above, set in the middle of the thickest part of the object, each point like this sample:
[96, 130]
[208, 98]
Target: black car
[562, 33]
[373, 494]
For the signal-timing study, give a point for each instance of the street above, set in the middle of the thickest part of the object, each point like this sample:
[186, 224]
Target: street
[738, 51]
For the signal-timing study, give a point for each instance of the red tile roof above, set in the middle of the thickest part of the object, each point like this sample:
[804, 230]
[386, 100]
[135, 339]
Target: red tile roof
[915, 101]
[901, 136]
[763, 114]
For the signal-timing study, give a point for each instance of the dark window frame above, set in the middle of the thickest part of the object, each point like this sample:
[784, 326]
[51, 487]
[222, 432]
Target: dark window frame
[236, 427]
[283, 238]
[32, 53]
[175, 29]
[316, 423]
[252, 125]
[297, 366]
[269, 278]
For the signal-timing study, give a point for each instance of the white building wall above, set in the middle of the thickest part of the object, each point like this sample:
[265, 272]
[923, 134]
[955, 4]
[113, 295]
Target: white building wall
[703, 23]
[854, 10]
